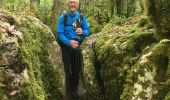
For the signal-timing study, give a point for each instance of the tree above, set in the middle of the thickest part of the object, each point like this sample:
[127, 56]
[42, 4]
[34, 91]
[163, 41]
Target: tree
[34, 5]
[125, 8]
[56, 11]
[10, 4]
[120, 4]
[1, 2]
[158, 10]
[112, 7]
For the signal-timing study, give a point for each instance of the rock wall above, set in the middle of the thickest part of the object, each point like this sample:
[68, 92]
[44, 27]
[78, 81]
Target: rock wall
[30, 63]
[125, 61]
[133, 56]
[133, 65]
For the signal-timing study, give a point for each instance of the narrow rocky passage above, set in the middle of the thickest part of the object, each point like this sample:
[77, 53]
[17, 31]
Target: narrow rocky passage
[125, 61]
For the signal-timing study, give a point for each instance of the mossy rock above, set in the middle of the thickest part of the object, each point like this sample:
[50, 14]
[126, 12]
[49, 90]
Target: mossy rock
[148, 78]
[30, 60]
[117, 49]
[133, 64]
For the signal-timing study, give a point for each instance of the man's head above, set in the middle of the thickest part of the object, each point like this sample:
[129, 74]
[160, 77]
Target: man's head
[73, 5]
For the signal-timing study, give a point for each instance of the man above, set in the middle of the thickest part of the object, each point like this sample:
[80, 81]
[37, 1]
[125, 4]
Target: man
[70, 37]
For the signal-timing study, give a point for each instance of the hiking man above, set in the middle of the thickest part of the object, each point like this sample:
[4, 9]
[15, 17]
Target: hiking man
[72, 29]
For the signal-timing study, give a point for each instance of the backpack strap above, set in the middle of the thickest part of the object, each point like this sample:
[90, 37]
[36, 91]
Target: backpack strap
[66, 16]
[65, 19]
[81, 17]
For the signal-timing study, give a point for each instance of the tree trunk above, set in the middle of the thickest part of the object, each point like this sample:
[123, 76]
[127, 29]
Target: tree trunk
[112, 7]
[56, 11]
[131, 7]
[34, 5]
[1, 2]
[158, 10]
[121, 6]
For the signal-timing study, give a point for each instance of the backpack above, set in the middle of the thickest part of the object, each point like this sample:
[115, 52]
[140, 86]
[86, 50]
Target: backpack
[78, 25]
[78, 21]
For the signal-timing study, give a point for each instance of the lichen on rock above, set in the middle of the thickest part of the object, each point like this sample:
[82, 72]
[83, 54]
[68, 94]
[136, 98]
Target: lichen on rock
[132, 61]
[26, 65]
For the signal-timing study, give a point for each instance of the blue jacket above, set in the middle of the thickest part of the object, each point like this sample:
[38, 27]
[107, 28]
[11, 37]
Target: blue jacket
[68, 33]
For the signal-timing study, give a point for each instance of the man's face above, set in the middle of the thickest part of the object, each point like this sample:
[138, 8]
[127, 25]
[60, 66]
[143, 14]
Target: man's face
[73, 5]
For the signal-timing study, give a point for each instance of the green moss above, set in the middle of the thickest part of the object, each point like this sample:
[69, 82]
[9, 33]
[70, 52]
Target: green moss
[30, 55]
[0, 36]
[2, 85]
[139, 41]
[143, 22]
[34, 49]
[122, 55]
[3, 96]
[167, 95]
[107, 27]
[42, 83]
[35, 53]
[150, 72]
[161, 59]
[94, 26]
[133, 64]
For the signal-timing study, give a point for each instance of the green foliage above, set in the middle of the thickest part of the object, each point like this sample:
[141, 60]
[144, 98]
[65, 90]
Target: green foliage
[94, 26]
[167, 97]
[44, 11]
[125, 47]
[97, 13]
[16, 5]
[107, 27]
[117, 19]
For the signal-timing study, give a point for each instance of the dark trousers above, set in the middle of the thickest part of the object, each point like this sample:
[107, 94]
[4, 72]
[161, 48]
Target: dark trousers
[72, 59]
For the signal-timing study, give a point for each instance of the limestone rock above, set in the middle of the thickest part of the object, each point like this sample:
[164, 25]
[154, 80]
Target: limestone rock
[29, 65]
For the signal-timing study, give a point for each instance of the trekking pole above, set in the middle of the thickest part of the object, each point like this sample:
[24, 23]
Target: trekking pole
[78, 49]
[78, 62]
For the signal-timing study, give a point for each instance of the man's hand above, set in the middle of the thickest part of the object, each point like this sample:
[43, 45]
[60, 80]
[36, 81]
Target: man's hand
[74, 44]
[79, 31]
